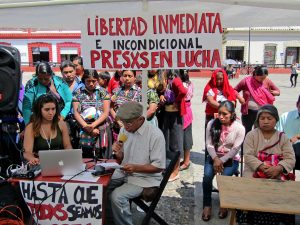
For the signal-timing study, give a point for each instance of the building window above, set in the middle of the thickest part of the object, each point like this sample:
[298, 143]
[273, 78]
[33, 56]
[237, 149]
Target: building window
[38, 52]
[292, 55]
[67, 51]
[270, 54]
[235, 53]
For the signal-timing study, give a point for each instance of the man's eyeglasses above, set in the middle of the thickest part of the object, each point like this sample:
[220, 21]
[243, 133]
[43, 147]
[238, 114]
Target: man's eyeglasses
[130, 123]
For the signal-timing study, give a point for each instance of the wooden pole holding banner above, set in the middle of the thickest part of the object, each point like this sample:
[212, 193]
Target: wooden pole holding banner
[144, 92]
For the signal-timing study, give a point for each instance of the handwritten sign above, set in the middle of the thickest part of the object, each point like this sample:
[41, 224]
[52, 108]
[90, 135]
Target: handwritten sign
[157, 41]
[56, 204]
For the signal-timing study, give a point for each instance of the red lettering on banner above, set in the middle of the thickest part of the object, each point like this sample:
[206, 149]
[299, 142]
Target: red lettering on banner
[116, 54]
[126, 58]
[135, 59]
[110, 22]
[187, 23]
[154, 55]
[146, 60]
[95, 56]
[202, 27]
[217, 24]
[89, 27]
[216, 58]
[154, 25]
[103, 27]
[47, 211]
[157, 59]
[133, 27]
[166, 57]
[97, 26]
[106, 55]
[119, 23]
[163, 24]
[126, 20]
[198, 64]
[205, 58]
[199, 58]
[190, 23]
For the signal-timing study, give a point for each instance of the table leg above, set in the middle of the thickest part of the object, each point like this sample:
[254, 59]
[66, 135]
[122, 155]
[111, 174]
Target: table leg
[232, 220]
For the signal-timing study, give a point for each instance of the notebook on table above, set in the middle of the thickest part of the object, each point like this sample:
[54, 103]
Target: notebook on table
[61, 162]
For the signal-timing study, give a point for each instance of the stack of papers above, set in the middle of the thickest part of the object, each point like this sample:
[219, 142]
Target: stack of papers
[110, 165]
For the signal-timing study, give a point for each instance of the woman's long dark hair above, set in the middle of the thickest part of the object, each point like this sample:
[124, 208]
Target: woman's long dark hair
[216, 127]
[36, 117]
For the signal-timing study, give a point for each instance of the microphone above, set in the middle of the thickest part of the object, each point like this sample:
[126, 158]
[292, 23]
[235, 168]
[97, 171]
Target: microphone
[121, 139]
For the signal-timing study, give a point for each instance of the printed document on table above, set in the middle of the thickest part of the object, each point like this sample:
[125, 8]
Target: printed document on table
[110, 165]
[84, 176]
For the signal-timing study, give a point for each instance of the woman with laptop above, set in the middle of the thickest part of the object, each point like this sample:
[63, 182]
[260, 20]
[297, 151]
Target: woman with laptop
[45, 131]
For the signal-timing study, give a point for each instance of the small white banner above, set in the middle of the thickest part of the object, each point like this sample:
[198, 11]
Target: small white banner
[53, 203]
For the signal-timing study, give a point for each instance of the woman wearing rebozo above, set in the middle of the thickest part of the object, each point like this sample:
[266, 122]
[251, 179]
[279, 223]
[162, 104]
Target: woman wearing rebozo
[258, 90]
[268, 154]
[45, 130]
[91, 109]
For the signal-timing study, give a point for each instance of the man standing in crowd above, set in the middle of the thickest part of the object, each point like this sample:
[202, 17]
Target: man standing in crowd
[289, 123]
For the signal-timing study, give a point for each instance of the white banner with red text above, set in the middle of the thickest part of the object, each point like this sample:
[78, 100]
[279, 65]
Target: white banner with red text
[187, 40]
[59, 203]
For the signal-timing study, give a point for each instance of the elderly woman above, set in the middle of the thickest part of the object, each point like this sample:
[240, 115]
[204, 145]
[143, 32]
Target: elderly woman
[268, 154]
[91, 109]
[266, 140]
[258, 90]
[46, 82]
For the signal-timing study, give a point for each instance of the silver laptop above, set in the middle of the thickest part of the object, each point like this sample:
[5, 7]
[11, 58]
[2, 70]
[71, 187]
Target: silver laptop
[61, 162]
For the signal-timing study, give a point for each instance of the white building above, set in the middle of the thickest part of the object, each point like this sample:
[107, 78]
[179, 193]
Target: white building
[268, 45]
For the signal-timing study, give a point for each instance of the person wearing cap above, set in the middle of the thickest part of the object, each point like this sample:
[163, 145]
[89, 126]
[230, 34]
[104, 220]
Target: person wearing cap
[142, 156]
[263, 136]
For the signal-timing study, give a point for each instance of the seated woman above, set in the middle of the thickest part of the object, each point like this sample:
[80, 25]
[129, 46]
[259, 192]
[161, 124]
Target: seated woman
[91, 109]
[268, 153]
[45, 130]
[224, 137]
[259, 140]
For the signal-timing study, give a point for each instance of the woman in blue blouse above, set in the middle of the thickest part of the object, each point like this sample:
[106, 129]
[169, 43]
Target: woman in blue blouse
[44, 82]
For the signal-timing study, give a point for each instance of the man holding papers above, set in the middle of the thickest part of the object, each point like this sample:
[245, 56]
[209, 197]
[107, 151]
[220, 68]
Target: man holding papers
[143, 157]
